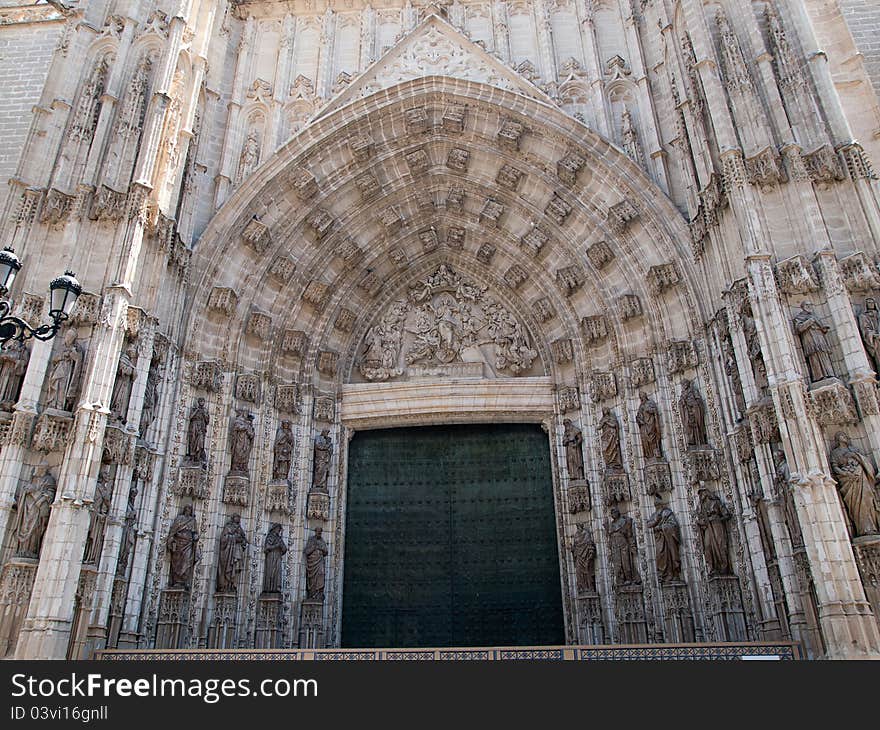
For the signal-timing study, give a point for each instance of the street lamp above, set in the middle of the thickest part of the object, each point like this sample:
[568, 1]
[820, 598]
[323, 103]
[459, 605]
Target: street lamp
[63, 292]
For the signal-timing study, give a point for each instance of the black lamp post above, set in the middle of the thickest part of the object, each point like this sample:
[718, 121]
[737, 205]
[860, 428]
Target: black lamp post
[63, 292]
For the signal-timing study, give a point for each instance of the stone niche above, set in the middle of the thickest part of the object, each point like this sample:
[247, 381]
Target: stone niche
[448, 326]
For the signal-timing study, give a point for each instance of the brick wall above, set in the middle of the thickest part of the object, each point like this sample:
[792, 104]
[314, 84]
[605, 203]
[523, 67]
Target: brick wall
[863, 18]
[25, 52]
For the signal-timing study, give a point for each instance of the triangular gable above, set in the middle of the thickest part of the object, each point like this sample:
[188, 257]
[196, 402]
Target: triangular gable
[434, 48]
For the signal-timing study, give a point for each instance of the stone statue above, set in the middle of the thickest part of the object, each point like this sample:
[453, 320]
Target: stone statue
[667, 541]
[182, 540]
[195, 434]
[250, 154]
[315, 552]
[731, 369]
[782, 480]
[648, 420]
[712, 517]
[693, 414]
[753, 344]
[34, 505]
[241, 441]
[129, 533]
[274, 548]
[609, 437]
[98, 519]
[230, 561]
[816, 347]
[283, 453]
[151, 398]
[65, 373]
[323, 450]
[14, 357]
[125, 372]
[856, 481]
[869, 326]
[622, 545]
[574, 455]
[584, 551]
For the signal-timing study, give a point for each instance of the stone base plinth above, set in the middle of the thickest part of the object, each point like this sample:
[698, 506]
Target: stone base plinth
[702, 463]
[318, 507]
[278, 496]
[591, 628]
[832, 403]
[630, 614]
[616, 487]
[678, 621]
[172, 624]
[311, 625]
[867, 552]
[51, 430]
[221, 633]
[579, 496]
[726, 601]
[16, 584]
[236, 489]
[270, 622]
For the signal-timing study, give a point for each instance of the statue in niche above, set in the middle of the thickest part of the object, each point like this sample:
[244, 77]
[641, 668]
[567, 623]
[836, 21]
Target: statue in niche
[98, 519]
[782, 481]
[282, 456]
[250, 155]
[753, 345]
[712, 518]
[34, 505]
[242, 441]
[315, 552]
[381, 348]
[667, 541]
[693, 414]
[814, 343]
[129, 533]
[195, 434]
[857, 483]
[65, 373]
[584, 551]
[609, 437]
[323, 451]
[151, 397]
[869, 327]
[230, 561]
[122, 386]
[274, 549]
[731, 369]
[648, 420]
[183, 538]
[622, 546]
[574, 455]
[14, 357]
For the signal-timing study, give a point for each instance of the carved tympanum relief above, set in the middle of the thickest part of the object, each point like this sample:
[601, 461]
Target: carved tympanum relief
[447, 326]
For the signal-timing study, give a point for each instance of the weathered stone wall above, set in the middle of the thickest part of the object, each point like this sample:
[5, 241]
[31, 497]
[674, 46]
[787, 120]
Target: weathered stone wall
[863, 19]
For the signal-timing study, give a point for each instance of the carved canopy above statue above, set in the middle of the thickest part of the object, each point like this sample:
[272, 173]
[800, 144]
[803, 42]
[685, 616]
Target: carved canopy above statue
[447, 326]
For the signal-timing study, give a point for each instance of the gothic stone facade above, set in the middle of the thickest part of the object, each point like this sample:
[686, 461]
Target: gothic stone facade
[297, 220]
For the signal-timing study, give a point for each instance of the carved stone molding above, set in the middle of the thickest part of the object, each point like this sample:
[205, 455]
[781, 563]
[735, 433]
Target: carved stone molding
[570, 278]
[859, 273]
[702, 464]
[658, 478]
[416, 120]
[515, 277]
[603, 386]
[321, 222]
[568, 399]
[223, 300]
[192, 481]
[455, 236]
[207, 375]
[327, 362]
[282, 268]
[579, 499]
[278, 496]
[629, 306]
[620, 215]
[391, 219]
[681, 355]
[259, 325]
[491, 212]
[455, 199]
[568, 167]
[429, 238]
[510, 134]
[485, 253]
[509, 177]
[641, 372]
[256, 235]
[600, 255]
[361, 146]
[562, 351]
[453, 119]
[458, 159]
[52, 430]
[368, 186]
[832, 404]
[118, 446]
[247, 387]
[318, 506]
[557, 209]
[315, 294]
[418, 161]
[295, 342]
[543, 309]
[796, 276]
[662, 277]
[304, 184]
[595, 328]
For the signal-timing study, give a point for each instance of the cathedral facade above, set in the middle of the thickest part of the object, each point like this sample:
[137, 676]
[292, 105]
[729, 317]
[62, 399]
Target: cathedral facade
[581, 293]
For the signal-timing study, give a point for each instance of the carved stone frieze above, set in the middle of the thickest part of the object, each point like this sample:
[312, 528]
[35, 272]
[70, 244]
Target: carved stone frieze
[52, 430]
[391, 219]
[321, 222]
[236, 490]
[823, 165]
[515, 277]
[595, 328]
[796, 275]
[485, 253]
[418, 161]
[859, 273]
[491, 212]
[455, 199]
[866, 397]
[762, 419]
[534, 241]
[368, 186]
[278, 497]
[457, 159]
[681, 355]
[765, 169]
[207, 375]
[557, 209]
[259, 325]
[327, 362]
[510, 134]
[429, 239]
[118, 446]
[316, 293]
[742, 439]
[247, 387]
[570, 278]
[455, 236]
[85, 311]
[579, 499]
[361, 146]
[318, 506]
[283, 268]
[658, 478]
[603, 386]
[57, 207]
[629, 306]
[641, 372]
[620, 215]
[416, 120]
[324, 409]
[568, 398]
[616, 487]
[144, 463]
[562, 351]
[304, 184]
[287, 398]
[509, 177]
[568, 167]
[543, 309]
[702, 463]
[224, 300]
[600, 255]
[256, 235]
[453, 119]
[345, 320]
[30, 308]
[295, 342]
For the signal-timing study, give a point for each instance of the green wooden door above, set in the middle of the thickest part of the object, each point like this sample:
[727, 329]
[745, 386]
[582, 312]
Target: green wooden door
[451, 539]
